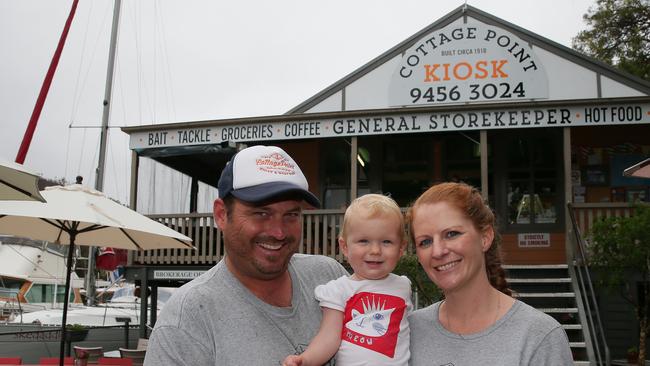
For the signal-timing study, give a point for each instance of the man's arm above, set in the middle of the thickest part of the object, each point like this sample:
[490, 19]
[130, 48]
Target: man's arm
[324, 344]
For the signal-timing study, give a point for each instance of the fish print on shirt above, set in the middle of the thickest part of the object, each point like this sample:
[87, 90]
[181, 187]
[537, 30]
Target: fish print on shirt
[372, 321]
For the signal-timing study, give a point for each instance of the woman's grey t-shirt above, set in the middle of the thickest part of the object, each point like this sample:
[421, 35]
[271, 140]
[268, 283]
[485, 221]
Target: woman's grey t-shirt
[523, 336]
[215, 320]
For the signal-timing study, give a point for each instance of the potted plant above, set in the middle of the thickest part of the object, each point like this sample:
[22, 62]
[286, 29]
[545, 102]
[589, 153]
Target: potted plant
[75, 333]
[632, 355]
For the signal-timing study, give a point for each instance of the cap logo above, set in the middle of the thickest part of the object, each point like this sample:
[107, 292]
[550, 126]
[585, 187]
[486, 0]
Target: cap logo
[275, 163]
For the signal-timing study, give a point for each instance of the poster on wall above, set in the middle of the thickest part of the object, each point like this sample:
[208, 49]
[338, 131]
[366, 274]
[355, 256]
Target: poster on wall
[637, 195]
[596, 176]
[471, 62]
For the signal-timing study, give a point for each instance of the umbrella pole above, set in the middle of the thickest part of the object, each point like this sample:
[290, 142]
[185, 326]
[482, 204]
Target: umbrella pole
[65, 299]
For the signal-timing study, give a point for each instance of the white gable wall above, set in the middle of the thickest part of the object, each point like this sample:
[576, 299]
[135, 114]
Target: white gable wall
[333, 103]
[611, 89]
[567, 80]
[371, 91]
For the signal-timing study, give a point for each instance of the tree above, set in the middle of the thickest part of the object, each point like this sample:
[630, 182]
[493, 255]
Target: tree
[620, 246]
[48, 182]
[618, 34]
[427, 291]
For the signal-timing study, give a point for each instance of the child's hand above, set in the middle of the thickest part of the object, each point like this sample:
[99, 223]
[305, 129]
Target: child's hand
[293, 360]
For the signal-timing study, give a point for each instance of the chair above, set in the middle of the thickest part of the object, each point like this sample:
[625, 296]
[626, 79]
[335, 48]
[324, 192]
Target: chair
[137, 355]
[55, 361]
[142, 343]
[11, 360]
[94, 353]
[112, 361]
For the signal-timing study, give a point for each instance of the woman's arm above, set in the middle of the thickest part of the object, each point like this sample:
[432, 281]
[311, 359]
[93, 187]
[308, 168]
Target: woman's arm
[324, 344]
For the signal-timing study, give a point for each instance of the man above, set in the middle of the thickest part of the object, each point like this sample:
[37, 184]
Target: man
[257, 305]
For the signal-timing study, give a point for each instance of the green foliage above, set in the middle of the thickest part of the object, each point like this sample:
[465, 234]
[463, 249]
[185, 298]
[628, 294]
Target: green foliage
[620, 246]
[408, 266]
[618, 34]
[75, 327]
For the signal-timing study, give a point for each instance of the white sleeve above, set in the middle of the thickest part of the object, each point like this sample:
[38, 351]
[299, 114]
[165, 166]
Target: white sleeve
[332, 294]
[406, 283]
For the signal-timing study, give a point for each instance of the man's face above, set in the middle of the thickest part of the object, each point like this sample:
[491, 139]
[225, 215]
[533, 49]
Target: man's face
[259, 240]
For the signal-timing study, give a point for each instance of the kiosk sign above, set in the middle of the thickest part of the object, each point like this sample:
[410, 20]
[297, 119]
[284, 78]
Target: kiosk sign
[470, 62]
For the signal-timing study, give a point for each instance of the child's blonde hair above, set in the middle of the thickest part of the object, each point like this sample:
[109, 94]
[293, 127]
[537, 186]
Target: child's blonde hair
[374, 205]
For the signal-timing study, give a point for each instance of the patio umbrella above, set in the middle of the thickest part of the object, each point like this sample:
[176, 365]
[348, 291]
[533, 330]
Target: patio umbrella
[75, 215]
[639, 170]
[18, 183]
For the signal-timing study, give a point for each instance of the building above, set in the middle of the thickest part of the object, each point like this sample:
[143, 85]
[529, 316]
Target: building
[471, 97]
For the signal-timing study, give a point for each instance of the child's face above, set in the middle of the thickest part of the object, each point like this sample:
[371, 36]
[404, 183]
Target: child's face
[372, 245]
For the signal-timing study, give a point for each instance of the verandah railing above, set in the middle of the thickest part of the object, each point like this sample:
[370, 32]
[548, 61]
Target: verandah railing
[320, 232]
[588, 213]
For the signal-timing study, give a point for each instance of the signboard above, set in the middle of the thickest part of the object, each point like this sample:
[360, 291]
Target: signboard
[383, 124]
[176, 274]
[534, 240]
[471, 62]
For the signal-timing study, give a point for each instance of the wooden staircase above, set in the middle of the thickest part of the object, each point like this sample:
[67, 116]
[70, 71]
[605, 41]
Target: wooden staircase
[549, 288]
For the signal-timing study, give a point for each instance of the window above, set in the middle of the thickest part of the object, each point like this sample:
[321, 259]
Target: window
[406, 165]
[335, 172]
[530, 170]
[10, 287]
[462, 158]
[399, 166]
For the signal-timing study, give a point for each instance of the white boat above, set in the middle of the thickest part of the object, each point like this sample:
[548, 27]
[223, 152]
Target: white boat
[32, 277]
[33, 341]
[122, 304]
[39, 333]
[32, 285]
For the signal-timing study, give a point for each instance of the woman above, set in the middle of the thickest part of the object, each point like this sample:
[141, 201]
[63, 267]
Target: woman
[478, 322]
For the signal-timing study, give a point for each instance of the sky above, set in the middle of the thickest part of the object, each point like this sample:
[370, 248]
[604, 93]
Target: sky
[194, 60]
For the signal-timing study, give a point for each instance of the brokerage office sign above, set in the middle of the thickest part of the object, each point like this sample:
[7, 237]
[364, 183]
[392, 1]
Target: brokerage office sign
[176, 274]
[471, 62]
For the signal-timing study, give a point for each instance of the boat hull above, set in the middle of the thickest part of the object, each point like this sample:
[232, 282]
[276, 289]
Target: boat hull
[32, 341]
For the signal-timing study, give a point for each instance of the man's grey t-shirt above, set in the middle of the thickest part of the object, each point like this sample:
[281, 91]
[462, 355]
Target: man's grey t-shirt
[215, 320]
[523, 336]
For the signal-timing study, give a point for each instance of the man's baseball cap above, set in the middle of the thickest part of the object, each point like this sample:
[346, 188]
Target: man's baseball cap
[259, 174]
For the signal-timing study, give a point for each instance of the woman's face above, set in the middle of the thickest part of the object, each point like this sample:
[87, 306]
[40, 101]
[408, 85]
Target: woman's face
[449, 247]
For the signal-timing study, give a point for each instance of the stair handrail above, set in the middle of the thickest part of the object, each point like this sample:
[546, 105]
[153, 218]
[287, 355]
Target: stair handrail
[587, 291]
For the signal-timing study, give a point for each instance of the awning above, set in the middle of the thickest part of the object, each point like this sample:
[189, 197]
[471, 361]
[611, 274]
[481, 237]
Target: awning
[639, 170]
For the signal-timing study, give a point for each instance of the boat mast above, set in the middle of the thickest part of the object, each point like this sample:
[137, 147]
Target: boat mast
[40, 101]
[99, 178]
